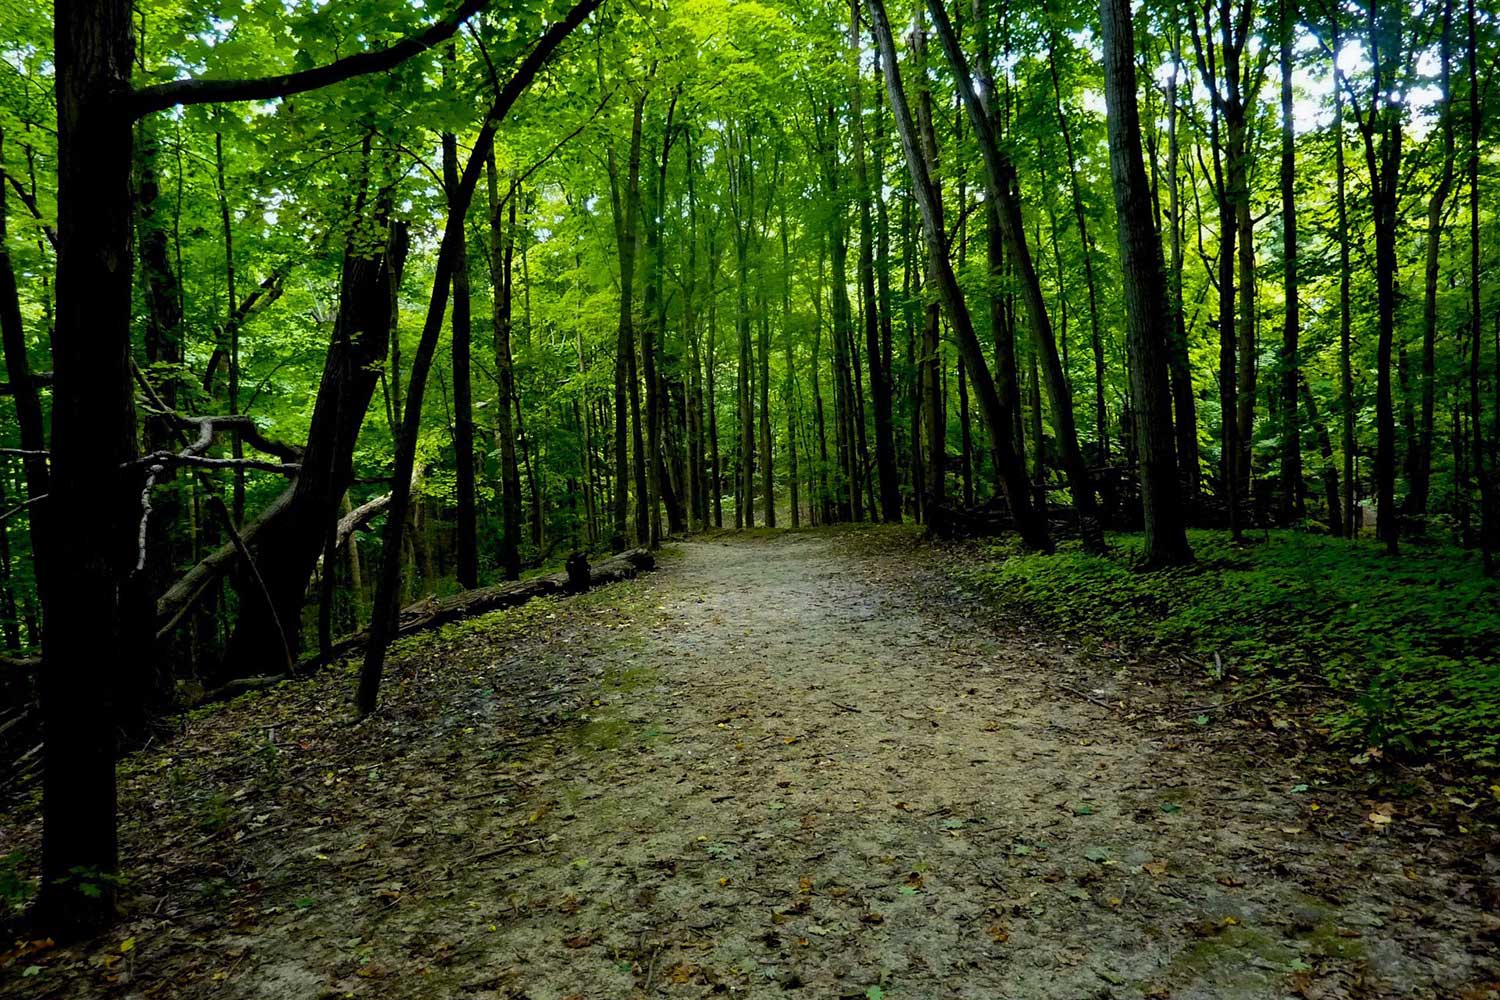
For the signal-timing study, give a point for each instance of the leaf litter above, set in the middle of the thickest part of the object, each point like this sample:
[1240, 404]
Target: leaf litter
[781, 766]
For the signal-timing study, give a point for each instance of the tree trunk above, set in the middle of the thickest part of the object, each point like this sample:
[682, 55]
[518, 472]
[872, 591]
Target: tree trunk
[466, 530]
[879, 378]
[789, 390]
[716, 486]
[1484, 473]
[767, 464]
[999, 190]
[1325, 449]
[1419, 451]
[387, 593]
[1146, 313]
[502, 245]
[94, 484]
[1032, 528]
[289, 539]
[1096, 339]
[627, 403]
[1184, 403]
[1346, 364]
[1291, 440]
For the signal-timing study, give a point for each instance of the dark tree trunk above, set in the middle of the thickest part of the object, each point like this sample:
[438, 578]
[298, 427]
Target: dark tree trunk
[1146, 313]
[502, 245]
[999, 189]
[1032, 529]
[789, 389]
[1096, 339]
[847, 499]
[1325, 450]
[1291, 439]
[94, 484]
[466, 530]
[624, 202]
[1381, 129]
[716, 484]
[1484, 472]
[388, 589]
[1184, 403]
[1346, 363]
[879, 377]
[767, 463]
[1419, 450]
[289, 538]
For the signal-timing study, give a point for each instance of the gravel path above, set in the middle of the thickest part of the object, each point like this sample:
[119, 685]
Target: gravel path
[783, 765]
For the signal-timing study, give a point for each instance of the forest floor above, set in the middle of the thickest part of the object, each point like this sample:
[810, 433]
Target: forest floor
[790, 764]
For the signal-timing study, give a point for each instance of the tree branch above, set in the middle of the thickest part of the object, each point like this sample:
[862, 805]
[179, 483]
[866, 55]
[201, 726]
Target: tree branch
[161, 96]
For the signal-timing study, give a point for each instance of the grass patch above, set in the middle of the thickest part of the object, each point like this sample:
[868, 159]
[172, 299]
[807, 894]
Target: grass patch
[1407, 646]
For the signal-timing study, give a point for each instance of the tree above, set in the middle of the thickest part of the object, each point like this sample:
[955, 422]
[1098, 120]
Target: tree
[93, 442]
[1030, 526]
[1145, 296]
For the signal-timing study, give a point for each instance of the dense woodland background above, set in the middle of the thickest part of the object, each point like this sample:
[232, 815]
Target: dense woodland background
[723, 264]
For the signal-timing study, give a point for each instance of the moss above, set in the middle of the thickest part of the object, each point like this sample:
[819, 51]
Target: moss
[603, 734]
[1236, 957]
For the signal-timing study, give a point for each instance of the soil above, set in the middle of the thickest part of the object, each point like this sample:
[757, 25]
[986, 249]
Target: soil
[789, 764]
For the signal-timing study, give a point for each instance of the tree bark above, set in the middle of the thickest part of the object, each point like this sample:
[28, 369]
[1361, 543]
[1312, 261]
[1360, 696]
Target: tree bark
[1291, 440]
[1325, 450]
[1184, 403]
[1419, 450]
[383, 614]
[1096, 339]
[1032, 529]
[94, 484]
[1146, 313]
[466, 529]
[880, 384]
[626, 398]
[999, 191]
[1346, 363]
[1484, 473]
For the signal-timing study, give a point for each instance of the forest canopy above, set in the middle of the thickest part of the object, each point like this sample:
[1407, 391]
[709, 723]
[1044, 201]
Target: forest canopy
[313, 310]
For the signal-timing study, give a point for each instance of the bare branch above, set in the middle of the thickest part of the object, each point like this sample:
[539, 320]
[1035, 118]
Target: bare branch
[161, 96]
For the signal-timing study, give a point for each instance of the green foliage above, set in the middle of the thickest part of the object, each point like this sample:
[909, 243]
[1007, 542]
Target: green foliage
[15, 889]
[1407, 647]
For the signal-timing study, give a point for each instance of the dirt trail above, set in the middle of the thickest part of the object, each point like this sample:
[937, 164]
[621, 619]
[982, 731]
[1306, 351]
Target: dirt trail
[779, 767]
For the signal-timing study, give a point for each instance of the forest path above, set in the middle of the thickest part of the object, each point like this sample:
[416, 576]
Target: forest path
[783, 765]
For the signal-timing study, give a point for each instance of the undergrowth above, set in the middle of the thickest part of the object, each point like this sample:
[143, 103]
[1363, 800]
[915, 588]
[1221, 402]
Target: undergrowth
[1409, 648]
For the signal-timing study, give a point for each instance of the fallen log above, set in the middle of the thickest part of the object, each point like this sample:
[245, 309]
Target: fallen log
[435, 611]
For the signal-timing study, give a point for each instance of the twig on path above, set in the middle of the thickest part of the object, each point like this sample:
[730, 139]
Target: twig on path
[1242, 700]
[1088, 697]
[651, 968]
[846, 708]
[469, 859]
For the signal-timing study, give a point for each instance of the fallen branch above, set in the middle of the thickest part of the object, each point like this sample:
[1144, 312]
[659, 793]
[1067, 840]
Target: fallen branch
[359, 517]
[216, 504]
[241, 424]
[435, 611]
[1245, 699]
[180, 598]
[22, 664]
[239, 686]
